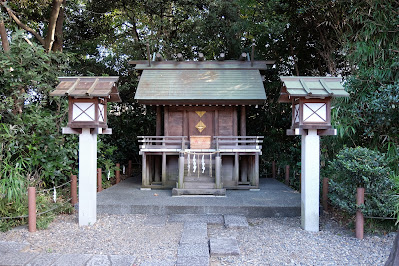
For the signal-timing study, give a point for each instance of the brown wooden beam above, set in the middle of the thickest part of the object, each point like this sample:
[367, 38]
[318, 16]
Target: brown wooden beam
[243, 121]
[166, 121]
[159, 121]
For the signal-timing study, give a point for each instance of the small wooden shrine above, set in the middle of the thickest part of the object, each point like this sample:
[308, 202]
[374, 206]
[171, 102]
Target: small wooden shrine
[201, 145]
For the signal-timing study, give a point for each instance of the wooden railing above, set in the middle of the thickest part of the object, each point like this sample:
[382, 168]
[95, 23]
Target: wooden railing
[238, 142]
[219, 142]
[163, 142]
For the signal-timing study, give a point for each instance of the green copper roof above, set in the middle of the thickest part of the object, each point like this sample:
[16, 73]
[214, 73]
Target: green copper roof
[312, 87]
[200, 86]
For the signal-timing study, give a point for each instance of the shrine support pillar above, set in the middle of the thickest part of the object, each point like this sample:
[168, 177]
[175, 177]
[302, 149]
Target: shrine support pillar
[87, 177]
[218, 168]
[310, 157]
[181, 170]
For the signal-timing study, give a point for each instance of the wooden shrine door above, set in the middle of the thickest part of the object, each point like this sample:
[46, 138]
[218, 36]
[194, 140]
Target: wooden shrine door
[200, 123]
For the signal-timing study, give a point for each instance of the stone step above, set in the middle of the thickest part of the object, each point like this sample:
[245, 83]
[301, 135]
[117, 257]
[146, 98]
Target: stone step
[199, 179]
[192, 184]
[198, 191]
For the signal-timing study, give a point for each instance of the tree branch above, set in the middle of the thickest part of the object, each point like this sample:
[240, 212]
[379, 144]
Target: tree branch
[22, 25]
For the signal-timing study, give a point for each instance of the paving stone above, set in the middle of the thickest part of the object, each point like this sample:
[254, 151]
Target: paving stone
[16, 258]
[235, 221]
[193, 250]
[12, 246]
[72, 259]
[192, 236]
[158, 263]
[99, 260]
[195, 225]
[122, 260]
[204, 218]
[155, 220]
[224, 247]
[44, 259]
[192, 261]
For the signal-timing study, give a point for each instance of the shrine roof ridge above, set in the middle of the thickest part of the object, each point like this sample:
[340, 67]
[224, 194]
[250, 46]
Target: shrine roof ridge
[196, 65]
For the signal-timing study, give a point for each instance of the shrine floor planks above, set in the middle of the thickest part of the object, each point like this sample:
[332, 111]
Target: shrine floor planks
[273, 199]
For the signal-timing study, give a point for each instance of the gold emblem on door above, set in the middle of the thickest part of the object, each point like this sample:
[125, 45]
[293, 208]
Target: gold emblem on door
[200, 113]
[200, 126]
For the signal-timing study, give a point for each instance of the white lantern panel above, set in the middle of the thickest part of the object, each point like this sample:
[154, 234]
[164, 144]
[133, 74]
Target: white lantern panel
[83, 112]
[101, 112]
[314, 113]
[297, 113]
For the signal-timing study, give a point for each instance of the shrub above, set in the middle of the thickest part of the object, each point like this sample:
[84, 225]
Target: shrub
[361, 167]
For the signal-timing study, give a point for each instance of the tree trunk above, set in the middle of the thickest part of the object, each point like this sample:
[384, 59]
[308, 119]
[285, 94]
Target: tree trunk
[50, 37]
[4, 40]
[59, 34]
[19, 102]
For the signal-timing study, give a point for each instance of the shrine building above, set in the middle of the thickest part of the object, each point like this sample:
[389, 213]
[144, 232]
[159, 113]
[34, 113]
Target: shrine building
[201, 145]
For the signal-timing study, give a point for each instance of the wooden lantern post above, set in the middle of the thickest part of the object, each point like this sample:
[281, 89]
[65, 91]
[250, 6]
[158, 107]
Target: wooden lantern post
[87, 116]
[311, 118]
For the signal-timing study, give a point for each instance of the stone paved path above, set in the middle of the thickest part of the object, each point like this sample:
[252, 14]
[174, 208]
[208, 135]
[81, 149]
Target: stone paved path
[194, 248]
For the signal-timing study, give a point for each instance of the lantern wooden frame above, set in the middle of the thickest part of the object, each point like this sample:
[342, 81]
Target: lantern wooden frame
[99, 106]
[307, 114]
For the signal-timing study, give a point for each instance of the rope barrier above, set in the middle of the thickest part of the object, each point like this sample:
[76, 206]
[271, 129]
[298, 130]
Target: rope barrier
[49, 189]
[200, 153]
[380, 218]
[38, 214]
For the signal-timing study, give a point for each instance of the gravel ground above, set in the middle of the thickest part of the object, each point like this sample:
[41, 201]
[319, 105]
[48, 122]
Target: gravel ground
[267, 241]
[281, 241]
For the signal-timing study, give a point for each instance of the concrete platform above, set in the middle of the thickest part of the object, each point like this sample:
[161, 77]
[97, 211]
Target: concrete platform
[274, 199]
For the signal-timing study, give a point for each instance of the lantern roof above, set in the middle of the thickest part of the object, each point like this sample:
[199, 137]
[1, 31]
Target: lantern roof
[311, 87]
[88, 87]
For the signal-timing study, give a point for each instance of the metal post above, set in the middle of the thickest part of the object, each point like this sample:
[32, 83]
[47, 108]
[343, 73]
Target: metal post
[274, 169]
[359, 214]
[118, 173]
[129, 168]
[99, 180]
[287, 175]
[325, 194]
[32, 209]
[218, 166]
[181, 170]
[74, 187]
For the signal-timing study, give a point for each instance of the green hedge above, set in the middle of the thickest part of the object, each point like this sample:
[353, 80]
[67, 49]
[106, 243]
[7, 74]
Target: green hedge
[361, 167]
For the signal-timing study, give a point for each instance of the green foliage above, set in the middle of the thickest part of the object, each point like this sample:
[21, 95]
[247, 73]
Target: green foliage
[44, 206]
[12, 164]
[361, 167]
[33, 151]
